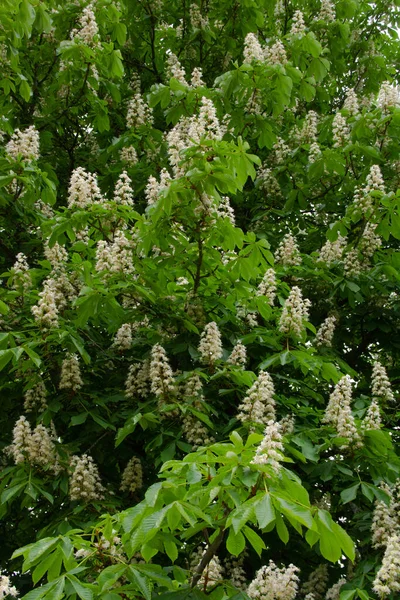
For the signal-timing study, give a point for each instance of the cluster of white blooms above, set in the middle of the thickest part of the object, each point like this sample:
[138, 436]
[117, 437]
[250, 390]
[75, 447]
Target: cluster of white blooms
[314, 152]
[317, 582]
[332, 251]
[35, 446]
[196, 78]
[309, 131]
[271, 583]
[375, 181]
[161, 377]
[253, 106]
[35, 397]
[139, 112]
[258, 405]
[351, 103]
[340, 131]
[295, 311]
[123, 193]
[327, 11]
[20, 273]
[286, 425]
[6, 589]
[267, 287]
[234, 571]
[381, 386]
[270, 450]
[197, 20]
[325, 333]
[248, 316]
[385, 520]
[175, 69]
[123, 338]
[268, 182]
[225, 210]
[116, 256]
[71, 378]
[56, 255]
[153, 187]
[44, 208]
[83, 189]
[88, 27]
[276, 54]
[85, 483]
[288, 252]
[213, 572]
[46, 311]
[252, 49]
[334, 592]
[210, 346]
[298, 26]
[195, 431]
[370, 241]
[338, 412]
[281, 151]
[138, 380]
[372, 419]
[238, 355]
[25, 144]
[387, 579]
[352, 264]
[132, 477]
[129, 156]
[193, 386]
[388, 96]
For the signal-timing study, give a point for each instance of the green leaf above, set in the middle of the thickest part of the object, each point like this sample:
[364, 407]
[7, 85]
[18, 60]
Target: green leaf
[235, 543]
[25, 90]
[11, 492]
[255, 540]
[295, 511]
[141, 582]
[264, 511]
[349, 493]
[83, 592]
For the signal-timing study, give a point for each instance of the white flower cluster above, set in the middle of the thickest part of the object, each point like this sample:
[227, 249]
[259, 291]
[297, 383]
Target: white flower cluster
[225, 210]
[114, 257]
[317, 582]
[25, 144]
[271, 583]
[267, 287]
[372, 419]
[381, 387]
[197, 78]
[314, 152]
[132, 477]
[175, 69]
[375, 181]
[387, 579]
[6, 589]
[129, 156]
[332, 251]
[83, 189]
[34, 446]
[334, 592]
[351, 103]
[197, 20]
[252, 49]
[286, 425]
[276, 54]
[138, 380]
[46, 310]
[123, 193]
[309, 132]
[234, 571]
[325, 333]
[210, 346]
[385, 519]
[338, 412]
[268, 182]
[281, 151]
[84, 482]
[327, 11]
[370, 242]
[161, 376]
[88, 27]
[123, 338]
[56, 255]
[153, 187]
[352, 264]
[212, 574]
[258, 405]
[388, 96]
[340, 131]
[238, 355]
[295, 312]
[71, 378]
[195, 431]
[44, 208]
[248, 316]
[139, 112]
[298, 26]
[288, 253]
[35, 397]
[270, 451]
[21, 277]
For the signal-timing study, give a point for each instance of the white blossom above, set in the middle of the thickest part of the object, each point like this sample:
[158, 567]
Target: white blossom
[161, 377]
[340, 131]
[327, 11]
[6, 589]
[212, 573]
[252, 49]
[25, 144]
[88, 26]
[317, 582]
[332, 251]
[298, 26]
[385, 519]
[196, 78]
[123, 193]
[35, 397]
[381, 386]
[175, 69]
[334, 592]
[71, 378]
[83, 189]
[46, 311]
[276, 54]
[267, 287]
[132, 477]
[351, 103]
[210, 347]
[56, 255]
[387, 579]
[123, 338]
[225, 210]
[295, 312]
[85, 483]
[388, 96]
[139, 112]
[21, 277]
[273, 583]
[238, 355]
[288, 253]
[129, 156]
[325, 333]
[270, 450]
[338, 412]
[138, 380]
[258, 405]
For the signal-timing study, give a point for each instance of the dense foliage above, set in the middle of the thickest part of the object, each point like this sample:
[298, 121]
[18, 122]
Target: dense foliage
[200, 222]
